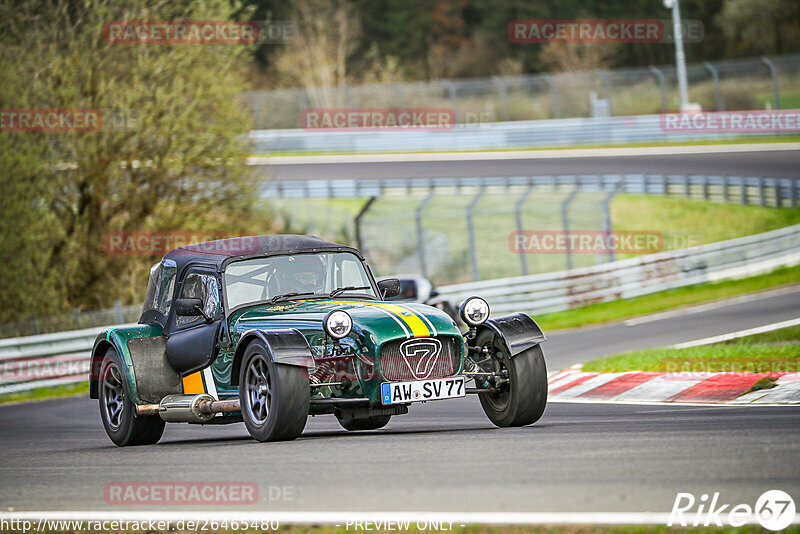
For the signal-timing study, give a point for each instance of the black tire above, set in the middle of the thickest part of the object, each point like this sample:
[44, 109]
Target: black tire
[285, 398]
[523, 399]
[118, 413]
[363, 423]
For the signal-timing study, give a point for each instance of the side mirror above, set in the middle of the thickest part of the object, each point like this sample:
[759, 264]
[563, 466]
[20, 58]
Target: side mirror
[189, 307]
[389, 288]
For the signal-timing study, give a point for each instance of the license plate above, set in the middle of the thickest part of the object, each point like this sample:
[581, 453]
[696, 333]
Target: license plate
[422, 390]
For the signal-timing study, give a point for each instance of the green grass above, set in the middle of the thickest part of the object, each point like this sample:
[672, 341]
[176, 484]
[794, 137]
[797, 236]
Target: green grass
[67, 390]
[666, 300]
[685, 222]
[783, 335]
[752, 354]
[768, 382]
[733, 358]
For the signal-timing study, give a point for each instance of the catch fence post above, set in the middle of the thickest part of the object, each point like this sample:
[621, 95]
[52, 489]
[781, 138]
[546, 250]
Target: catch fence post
[421, 231]
[565, 223]
[473, 247]
[773, 73]
[717, 92]
[518, 216]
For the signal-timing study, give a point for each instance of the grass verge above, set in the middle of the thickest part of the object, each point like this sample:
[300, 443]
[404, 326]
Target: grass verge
[666, 300]
[67, 390]
[778, 353]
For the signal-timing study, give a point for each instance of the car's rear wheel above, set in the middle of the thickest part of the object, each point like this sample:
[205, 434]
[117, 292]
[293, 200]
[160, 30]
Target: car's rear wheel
[363, 423]
[522, 399]
[274, 397]
[118, 413]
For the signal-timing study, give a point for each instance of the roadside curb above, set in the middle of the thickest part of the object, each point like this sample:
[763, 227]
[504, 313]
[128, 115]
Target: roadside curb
[575, 385]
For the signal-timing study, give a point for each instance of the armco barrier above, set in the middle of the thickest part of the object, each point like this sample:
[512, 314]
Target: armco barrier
[563, 290]
[494, 135]
[54, 359]
[46, 360]
[763, 191]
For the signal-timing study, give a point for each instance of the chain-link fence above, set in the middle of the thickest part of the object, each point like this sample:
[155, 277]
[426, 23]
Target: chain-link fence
[455, 230]
[457, 238]
[753, 83]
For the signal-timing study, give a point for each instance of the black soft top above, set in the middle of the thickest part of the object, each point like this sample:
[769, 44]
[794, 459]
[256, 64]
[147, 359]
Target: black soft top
[223, 251]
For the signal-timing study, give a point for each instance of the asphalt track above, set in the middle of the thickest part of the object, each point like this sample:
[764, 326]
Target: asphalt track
[443, 456]
[766, 163]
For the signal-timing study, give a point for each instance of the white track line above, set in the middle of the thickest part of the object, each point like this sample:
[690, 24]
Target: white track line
[710, 306]
[522, 154]
[736, 335]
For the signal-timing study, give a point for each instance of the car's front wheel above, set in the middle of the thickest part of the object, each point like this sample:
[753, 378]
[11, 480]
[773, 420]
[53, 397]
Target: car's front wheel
[123, 425]
[274, 397]
[363, 423]
[520, 397]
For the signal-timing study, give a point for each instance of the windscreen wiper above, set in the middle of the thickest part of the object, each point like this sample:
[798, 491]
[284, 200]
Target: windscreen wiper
[276, 298]
[340, 290]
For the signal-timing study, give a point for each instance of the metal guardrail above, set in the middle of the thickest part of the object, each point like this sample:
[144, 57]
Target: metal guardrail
[54, 359]
[564, 290]
[494, 135]
[46, 360]
[775, 192]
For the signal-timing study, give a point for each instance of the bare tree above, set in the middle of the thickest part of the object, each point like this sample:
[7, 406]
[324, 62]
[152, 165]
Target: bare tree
[317, 58]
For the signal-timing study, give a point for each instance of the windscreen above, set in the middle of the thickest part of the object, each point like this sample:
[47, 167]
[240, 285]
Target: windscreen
[262, 279]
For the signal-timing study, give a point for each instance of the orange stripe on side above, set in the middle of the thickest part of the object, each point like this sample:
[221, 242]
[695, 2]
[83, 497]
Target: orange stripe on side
[193, 384]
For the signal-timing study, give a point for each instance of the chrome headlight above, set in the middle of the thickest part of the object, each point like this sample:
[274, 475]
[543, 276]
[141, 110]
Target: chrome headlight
[474, 311]
[337, 324]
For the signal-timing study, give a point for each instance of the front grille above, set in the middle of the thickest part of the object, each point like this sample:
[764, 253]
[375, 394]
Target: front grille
[420, 358]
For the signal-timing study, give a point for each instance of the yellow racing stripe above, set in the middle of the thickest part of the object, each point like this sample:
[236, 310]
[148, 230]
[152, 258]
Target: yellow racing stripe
[417, 325]
[411, 319]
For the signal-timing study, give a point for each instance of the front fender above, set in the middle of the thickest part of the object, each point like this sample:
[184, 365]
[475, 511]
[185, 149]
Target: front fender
[518, 331]
[285, 345]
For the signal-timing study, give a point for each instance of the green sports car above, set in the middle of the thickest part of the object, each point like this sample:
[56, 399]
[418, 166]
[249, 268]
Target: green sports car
[271, 329]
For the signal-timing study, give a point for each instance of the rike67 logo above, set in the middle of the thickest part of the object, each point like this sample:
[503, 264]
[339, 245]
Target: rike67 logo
[774, 510]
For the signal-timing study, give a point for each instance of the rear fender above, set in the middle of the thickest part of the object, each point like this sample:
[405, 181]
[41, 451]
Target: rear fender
[286, 346]
[518, 331]
[117, 338]
[105, 340]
